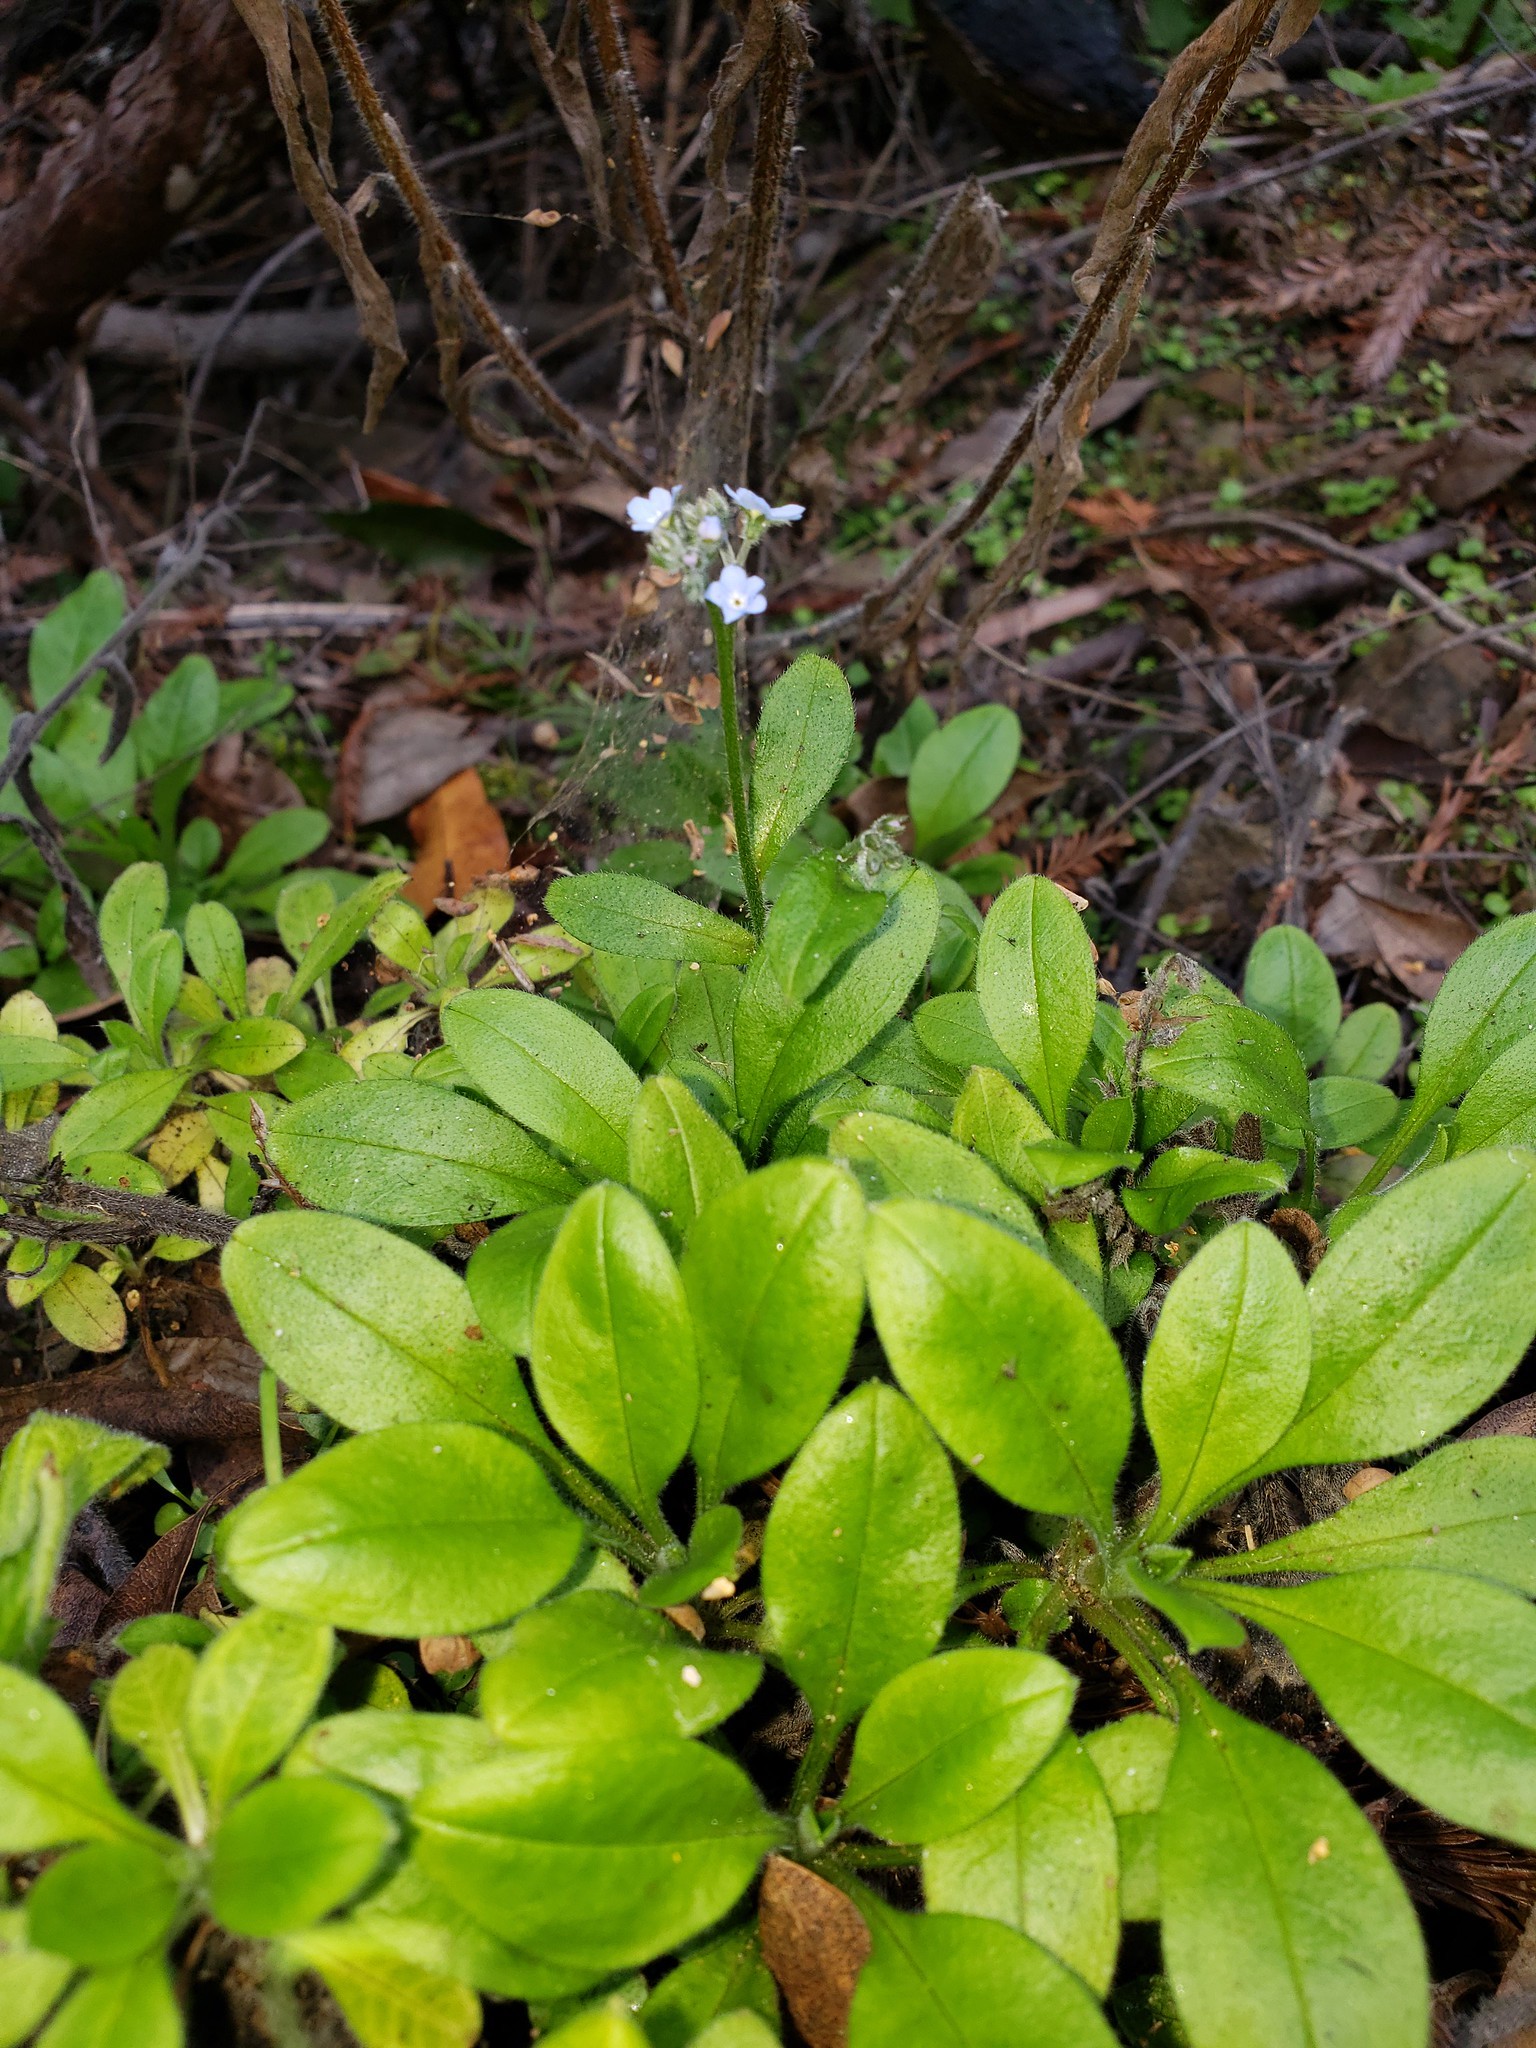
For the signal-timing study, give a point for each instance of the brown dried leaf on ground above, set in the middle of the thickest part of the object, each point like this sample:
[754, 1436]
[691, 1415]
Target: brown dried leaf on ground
[1319, 284]
[1115, 513]
[1490, 312]
[815, 1943]
[398, 753]
[1482, 459]
[1370, 920]
[1401, 312]
[459, 837]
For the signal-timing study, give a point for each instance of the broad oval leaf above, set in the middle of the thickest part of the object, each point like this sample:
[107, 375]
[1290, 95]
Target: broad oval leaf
[1283, 1920]
[343, 927]
[860, 1552]
[34, 1062]
[594, 1667]
[968, 1983]
[1288, 979]
[1470, 1507]
[503, 1276]
[132, 913]
[1045, 1862]
[132, 2002]
[804, 732]
[83, 1307]
[1419, 1311]
[251, 1692]
[679, 1158]
[387, 1999]
[1233, 1060]
[1132, 1757]
[399, 1152]
[1348, 1111]
[1000, 1122]
[366, 1326]
[1035, 977]
[252, 1046]
[550, 1069]
[1367, 1043]
[630, 914]
[957, 772]
[425, 1530]
[774, 1274]
[1499, 1108]
[30, 1979]
[1428, 1675]
[51, 1791]
[894, 1158]
[947, 1741]
[147, 1707]
[1486, 1003]
[118, 1115]
[599, 1856]
[1182, 1179]
[291, 1852]
[218, 953]
[613, 1356]
[389, 1751]
[952, 1029]
[1225, 1371]
[105, 1903]
[1010, 1365]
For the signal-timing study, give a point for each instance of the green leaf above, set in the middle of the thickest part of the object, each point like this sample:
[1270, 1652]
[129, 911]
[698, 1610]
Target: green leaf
[1185, 1177]
[429, 1529]
[1349, 1111]
[860, 1552]
[737, 2030]
[1288, 979]
[944, 1743]
[895, 750]
[952, 1029]
[782, 1050]
[713, 1543]
[1428, 1675]
[775, 1281]
[613, 1358]
[134, 2002]
[218, 953]
[85, 1310]
[367, 1327]
[292, 1851]
[387, 2000]
[416, 1922]
[503, 1276]
[1203, 1624]
[1133, 1757]
[51, 1791]
[1226, 1370]
[1035, 977]
[30, 1981]
[1419, 1311]
[397, 1152]
[343, 928]
[251, 1046]
[34, 1062]
[629, 914]
[679, 1158]
[1045, 1863]
[1009, 1364]
[1470, 1507]
[132, 914]
[957, 772]
[1283, 1920]
[386, 1751]
[609, 2025]
[147, 1707]
[595, 1668]
[804, 733]
[251, 1692]
[951, 1981]
[726, 1975]
[1000, 1122]
[1232, 1060]
[599, 1857]
[1500, 1106]
[180, 718]
[820, 915]
[118, 1115]
[272, 844]
[893, 1158]
[550, 1069]
[1485, 1005]
[104, 1904]
[64, 639]
[1367, 1043]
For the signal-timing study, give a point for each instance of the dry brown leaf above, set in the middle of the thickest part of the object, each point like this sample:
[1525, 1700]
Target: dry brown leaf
[815, 1943]
[543, 217]
[682, 708]
[447, 1653]
[1372, 920]
[1114, 513]
[672, 356]
[1488, 312]
[403, 752]
[1320, 284]
[1061, 606]
[714, 333]
[459, 836]
[1401, 311]
[383, 487]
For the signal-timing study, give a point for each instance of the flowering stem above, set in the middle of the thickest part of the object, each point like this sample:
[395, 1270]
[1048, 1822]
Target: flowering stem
[725, 663]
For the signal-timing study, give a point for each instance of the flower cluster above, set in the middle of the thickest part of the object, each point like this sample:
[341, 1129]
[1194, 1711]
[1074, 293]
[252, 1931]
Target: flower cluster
[688, 537]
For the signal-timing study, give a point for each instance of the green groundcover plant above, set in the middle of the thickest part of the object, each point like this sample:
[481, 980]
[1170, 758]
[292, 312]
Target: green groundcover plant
[828, 1305]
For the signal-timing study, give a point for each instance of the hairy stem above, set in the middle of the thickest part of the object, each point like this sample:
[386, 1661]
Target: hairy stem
[725, 663]
[624, 105]
[813, 1765]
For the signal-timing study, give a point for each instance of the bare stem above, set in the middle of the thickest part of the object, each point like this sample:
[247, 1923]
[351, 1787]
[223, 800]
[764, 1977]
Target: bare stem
[271, 1431]
[725, 663]
[624, 105]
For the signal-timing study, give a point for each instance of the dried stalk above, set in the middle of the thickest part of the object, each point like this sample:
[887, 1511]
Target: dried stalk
[451, 280]
[566, 84]
[624, 106]
[1160, 156]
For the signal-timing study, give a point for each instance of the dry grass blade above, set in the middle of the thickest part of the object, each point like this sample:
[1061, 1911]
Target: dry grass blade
[294, 76]
[1401, 312]
[624, 106]
[559, 66]
[944, 288]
